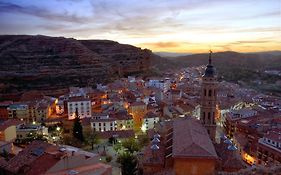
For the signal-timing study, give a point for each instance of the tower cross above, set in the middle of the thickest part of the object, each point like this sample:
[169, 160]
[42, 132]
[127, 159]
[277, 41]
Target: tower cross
[210, 57]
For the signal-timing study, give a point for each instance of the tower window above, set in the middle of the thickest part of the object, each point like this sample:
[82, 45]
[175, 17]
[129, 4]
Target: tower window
[205, 92]
[210, 93]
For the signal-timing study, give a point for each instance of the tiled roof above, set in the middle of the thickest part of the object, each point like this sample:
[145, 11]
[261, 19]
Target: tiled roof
[120, 134]
[10, 122]
[190, 139]
[27, 157]
[274, 134]
[139, 103]
[76, 99]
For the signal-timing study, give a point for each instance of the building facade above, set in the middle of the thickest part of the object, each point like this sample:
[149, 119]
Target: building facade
[81, 104]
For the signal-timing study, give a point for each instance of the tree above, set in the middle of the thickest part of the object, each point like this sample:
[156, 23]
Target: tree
[91, 138]
[112, 140]
[108, 158]
[117, 147]
[131, 145]
[77, 127]
[128, 163]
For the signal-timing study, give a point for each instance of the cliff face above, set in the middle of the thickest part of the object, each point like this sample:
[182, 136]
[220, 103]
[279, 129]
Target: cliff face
[126, 59]
[53, 63]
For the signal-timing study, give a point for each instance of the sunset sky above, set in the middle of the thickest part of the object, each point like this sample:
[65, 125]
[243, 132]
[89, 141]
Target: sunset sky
[185, 26]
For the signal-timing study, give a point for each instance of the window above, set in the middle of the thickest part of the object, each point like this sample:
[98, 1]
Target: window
[204, 116]
[103, 124]
[210, 93]
[99, 124]
[205, 92]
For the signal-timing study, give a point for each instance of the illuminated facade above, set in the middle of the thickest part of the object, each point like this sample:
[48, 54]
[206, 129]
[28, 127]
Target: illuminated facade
[82, 105]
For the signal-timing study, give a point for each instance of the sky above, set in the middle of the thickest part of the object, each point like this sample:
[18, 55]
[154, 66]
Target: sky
[182, 26]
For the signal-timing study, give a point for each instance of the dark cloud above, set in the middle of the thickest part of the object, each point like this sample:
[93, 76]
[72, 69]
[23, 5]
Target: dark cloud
[40, 12]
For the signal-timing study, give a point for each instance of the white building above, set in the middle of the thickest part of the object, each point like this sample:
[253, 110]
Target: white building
[81, 104]
[242, 113]
[149, 121]
[164, 85]
[103, 123]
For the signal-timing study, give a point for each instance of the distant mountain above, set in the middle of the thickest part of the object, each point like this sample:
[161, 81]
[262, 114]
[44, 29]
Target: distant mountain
[53, 63]
[171, 54]
[274, 52]
[231, 59]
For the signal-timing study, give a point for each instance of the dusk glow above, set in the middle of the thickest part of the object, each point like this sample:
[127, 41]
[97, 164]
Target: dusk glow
[160, 25]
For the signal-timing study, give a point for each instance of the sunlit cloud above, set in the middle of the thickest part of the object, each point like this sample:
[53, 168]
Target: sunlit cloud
[160, 25]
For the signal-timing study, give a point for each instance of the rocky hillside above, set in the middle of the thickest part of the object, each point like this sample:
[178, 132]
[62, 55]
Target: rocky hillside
[127, 59]
[54, 63]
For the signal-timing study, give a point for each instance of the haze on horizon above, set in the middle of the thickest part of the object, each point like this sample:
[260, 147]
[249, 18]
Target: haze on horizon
[183, 26]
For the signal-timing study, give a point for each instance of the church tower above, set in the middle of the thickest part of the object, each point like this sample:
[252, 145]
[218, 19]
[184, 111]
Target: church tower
[209, 99]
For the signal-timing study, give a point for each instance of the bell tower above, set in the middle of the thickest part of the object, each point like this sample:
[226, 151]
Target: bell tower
[209, 99]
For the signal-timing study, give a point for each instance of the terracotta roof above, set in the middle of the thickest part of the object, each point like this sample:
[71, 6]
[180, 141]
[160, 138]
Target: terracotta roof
[27, 157]
[5, 103]
[274, 134]
[137, 103]
[10, 122]
[120, 134]
[74, 99]
[150, 115]
[190, 139]
[94, 169]
[43, 164]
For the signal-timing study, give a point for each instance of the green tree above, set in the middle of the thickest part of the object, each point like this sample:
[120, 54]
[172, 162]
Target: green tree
[77, 127]
[131, 145]
[91, 138]
[128, 163]
[117, 147]
[112, 140]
